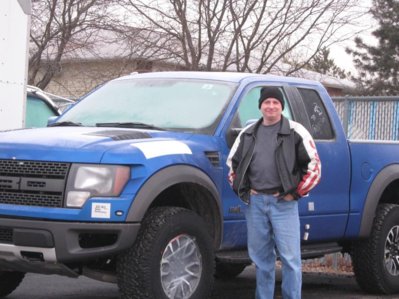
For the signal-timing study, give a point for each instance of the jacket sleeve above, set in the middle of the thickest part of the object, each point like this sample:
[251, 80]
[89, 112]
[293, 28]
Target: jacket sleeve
[309, 162]
[234, 157]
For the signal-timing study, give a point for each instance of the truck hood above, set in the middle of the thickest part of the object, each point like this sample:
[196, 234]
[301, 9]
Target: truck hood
[78, 144]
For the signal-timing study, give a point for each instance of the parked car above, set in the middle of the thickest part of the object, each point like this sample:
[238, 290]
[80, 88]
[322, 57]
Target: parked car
[61, 103]
[41, 105]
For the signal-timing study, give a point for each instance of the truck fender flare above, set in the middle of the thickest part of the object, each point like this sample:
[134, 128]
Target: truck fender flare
[380, 183]
[162, 180]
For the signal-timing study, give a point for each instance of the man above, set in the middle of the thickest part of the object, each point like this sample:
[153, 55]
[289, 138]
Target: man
[272, 164]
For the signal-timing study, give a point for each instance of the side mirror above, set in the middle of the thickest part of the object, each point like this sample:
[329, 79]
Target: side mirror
[233, 132]
[232, 135]
[250, 121]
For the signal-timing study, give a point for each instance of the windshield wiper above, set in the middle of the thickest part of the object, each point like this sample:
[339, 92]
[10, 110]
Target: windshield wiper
[130, 125]
[65, 124]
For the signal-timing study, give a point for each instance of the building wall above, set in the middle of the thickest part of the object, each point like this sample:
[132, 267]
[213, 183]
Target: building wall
[334, 92]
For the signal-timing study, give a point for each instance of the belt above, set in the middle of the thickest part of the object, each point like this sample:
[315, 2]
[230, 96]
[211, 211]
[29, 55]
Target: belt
[268, 191]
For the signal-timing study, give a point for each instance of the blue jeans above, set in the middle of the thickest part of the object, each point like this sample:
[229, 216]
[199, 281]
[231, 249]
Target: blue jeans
[273, 225]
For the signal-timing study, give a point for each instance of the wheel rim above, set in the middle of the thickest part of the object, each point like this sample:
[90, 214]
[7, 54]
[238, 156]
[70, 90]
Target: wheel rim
[181, 267]
[391, 252]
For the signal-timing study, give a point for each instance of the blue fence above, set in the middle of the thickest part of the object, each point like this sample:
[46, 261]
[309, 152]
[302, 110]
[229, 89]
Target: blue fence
[369, 118]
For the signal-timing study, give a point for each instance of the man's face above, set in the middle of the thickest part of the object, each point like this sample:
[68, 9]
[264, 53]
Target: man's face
[271, 109]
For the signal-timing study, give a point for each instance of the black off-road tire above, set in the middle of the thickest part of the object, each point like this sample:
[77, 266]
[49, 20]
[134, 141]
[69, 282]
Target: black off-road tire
[368, 255]
[225, 271]
[139, 268]
[9, 281]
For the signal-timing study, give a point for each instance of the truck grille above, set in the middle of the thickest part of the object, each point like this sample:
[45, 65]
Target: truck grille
[5, 235]
[32, 183]
[33, 168]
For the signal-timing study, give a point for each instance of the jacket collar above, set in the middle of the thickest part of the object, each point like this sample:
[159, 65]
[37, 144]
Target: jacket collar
[284, 127]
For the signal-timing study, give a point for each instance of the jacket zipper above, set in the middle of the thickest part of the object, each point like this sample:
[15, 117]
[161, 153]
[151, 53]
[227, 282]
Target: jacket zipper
[281, 172]
[247, 165]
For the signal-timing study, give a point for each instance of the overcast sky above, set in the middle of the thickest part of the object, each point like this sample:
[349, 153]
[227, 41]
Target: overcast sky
[338, 53]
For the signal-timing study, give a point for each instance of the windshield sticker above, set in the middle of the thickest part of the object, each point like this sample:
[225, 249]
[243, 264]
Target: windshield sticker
[101, 210]
[207, 86]
[162, 148]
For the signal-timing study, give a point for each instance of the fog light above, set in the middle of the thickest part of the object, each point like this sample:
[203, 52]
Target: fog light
[76, 199]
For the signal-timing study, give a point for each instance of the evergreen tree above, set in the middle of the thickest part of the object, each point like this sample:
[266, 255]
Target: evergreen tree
[322, 63]
[378, 66]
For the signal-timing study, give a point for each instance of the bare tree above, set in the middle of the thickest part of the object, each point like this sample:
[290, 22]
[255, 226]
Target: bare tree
[239, 35]
[59, 27]
[243, 35]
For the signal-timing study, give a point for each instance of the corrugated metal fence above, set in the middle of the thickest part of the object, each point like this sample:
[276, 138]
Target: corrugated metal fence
[372, 118]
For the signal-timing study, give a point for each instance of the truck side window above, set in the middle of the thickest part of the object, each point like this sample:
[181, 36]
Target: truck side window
[248, 109]
[318, 117]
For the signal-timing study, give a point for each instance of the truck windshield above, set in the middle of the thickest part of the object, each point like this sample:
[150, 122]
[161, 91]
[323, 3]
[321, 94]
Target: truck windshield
[170, 104]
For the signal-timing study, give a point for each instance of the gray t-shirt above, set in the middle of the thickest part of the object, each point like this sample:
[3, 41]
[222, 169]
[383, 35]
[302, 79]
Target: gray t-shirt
[263, 169]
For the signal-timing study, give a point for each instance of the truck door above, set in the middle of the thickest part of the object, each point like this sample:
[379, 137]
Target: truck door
[324, 213]
[247, 111]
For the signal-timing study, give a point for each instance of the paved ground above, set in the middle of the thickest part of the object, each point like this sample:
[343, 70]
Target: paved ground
[315, 286]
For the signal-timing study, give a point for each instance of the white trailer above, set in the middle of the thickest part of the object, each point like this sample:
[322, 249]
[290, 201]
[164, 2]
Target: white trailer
[14, 52]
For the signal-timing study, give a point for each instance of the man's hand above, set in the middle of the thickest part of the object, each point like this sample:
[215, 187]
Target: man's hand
[231, 177]
[288, 197]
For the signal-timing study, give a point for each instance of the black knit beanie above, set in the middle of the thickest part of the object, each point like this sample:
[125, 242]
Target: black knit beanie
[271, 92]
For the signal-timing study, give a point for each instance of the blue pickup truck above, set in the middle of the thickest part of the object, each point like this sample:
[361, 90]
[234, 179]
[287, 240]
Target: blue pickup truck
[130, 186]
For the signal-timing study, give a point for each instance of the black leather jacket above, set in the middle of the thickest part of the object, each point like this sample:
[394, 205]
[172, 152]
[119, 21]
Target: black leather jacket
[296, 157]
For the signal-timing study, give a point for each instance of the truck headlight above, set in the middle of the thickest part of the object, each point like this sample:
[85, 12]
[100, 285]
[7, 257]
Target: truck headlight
[86, 180]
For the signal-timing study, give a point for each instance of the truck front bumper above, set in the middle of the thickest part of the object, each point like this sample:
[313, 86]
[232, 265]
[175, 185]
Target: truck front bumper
[46, 246]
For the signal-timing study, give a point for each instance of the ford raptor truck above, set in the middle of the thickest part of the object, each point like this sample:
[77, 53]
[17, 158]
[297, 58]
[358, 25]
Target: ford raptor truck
[130, 186]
